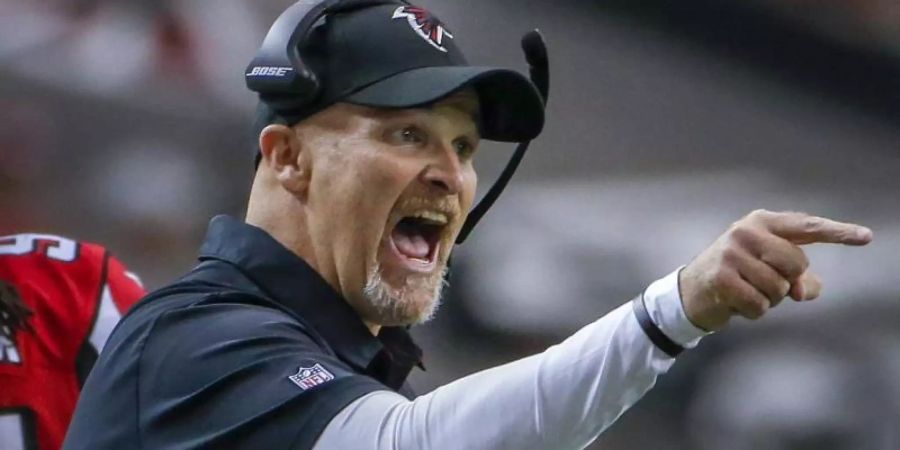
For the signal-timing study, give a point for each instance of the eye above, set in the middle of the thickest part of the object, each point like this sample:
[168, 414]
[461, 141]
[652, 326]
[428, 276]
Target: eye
[464, 148]
[409, 135]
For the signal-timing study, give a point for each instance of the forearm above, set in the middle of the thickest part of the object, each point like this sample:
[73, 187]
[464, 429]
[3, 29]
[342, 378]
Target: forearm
[562, 398]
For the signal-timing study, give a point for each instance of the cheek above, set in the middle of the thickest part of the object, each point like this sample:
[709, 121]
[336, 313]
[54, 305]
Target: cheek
[339, 195]
[385, 173]
[389, 176]
[379, 179]
[470, 186]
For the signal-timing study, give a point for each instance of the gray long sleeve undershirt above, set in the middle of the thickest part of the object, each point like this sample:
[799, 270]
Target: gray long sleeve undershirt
[560, 399]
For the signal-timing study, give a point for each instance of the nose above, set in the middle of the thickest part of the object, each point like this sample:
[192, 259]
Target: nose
[444, 174]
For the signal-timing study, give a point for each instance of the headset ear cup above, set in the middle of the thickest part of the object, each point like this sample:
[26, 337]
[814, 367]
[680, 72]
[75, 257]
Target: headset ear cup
[278, 71]
[307, 87]
[277, 67]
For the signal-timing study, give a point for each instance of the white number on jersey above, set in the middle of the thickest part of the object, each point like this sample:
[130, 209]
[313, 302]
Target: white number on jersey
[58, 248]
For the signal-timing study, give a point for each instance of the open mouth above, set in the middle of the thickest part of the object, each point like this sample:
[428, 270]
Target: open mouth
[416, 238]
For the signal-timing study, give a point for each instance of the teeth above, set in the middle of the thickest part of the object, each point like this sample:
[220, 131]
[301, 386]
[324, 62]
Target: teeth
[435, 217]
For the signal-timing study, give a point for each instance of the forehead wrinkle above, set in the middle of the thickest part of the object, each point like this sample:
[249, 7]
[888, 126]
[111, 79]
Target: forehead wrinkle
[337, 117]
[333, 126]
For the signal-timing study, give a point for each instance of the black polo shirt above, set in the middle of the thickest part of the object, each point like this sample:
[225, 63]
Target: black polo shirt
[252, 349]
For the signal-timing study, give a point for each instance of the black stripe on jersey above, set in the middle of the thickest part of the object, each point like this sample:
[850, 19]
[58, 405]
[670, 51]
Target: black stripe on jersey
[84, 361]
[87, 354]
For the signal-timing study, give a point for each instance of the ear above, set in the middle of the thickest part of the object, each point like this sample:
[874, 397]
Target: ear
[284, 154]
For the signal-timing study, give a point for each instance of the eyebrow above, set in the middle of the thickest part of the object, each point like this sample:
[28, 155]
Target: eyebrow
[460, 102]
[398, 113]
[473, 113]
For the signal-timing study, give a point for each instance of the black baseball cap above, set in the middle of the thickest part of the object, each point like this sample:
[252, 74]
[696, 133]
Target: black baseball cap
[402, 56]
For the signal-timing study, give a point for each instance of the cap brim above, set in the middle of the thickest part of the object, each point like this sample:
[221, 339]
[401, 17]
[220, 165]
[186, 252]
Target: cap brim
[511, 107]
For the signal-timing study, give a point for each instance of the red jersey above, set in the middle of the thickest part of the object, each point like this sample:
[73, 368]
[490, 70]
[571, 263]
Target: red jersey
[77, 292]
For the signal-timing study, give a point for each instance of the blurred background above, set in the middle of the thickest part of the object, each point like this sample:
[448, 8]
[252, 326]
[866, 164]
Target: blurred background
[127, 123]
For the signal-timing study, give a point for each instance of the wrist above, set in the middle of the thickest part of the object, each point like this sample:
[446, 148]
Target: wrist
[706, 314]
[666, 310]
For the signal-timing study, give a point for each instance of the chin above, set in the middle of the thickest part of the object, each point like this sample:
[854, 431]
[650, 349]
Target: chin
[413, 303]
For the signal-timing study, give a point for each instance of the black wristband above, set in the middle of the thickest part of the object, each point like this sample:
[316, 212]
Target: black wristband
[657, 337]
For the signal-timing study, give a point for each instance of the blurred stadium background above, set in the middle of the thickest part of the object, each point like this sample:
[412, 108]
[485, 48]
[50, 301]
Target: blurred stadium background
[127, 122]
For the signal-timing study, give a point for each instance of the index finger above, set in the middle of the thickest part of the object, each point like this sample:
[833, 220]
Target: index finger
[801, 228]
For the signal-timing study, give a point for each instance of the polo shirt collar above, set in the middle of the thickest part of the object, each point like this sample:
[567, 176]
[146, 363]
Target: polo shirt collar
[293, 283]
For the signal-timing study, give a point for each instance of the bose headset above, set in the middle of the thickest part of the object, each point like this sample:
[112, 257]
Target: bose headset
[280, 51]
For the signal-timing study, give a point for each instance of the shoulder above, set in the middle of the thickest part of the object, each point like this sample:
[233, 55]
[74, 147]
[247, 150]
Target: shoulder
[54, 260]
[228, 329]
[59, 266]
[256, 374]
[50, 251]
[229, 315]
[59, 279]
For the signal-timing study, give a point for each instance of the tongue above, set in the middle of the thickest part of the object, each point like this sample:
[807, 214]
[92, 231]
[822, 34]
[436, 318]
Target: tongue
[410, 244]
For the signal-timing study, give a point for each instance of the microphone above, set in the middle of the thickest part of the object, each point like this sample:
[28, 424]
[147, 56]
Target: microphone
[539, 71]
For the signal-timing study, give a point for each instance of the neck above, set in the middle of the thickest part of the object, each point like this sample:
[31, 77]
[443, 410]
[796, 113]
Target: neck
[282, 227]
[374, 328]
[277, 226]
[273, 209]
[283, 217]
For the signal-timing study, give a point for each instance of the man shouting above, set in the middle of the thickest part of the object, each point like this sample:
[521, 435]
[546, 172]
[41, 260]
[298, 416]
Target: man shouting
[291, 331]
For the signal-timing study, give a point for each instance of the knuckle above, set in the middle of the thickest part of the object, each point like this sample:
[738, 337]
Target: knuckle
[775, 303]
[759, 214]
[731, 256]
[794, 269]
[802, 262]
[742, 233]
[772, 291]
[722, 278]
[811, 224]
[777, 293]
[756, 309]
[784, 287]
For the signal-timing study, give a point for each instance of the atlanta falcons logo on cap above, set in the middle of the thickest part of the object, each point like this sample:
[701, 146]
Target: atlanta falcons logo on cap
[424, 24]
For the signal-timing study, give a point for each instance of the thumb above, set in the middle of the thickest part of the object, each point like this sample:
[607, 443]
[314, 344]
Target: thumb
[808, 286]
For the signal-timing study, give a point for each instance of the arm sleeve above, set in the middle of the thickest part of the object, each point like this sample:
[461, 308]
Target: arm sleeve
[560, 399]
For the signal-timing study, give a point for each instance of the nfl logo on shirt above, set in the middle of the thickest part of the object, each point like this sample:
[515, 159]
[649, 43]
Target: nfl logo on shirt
[310, 377]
